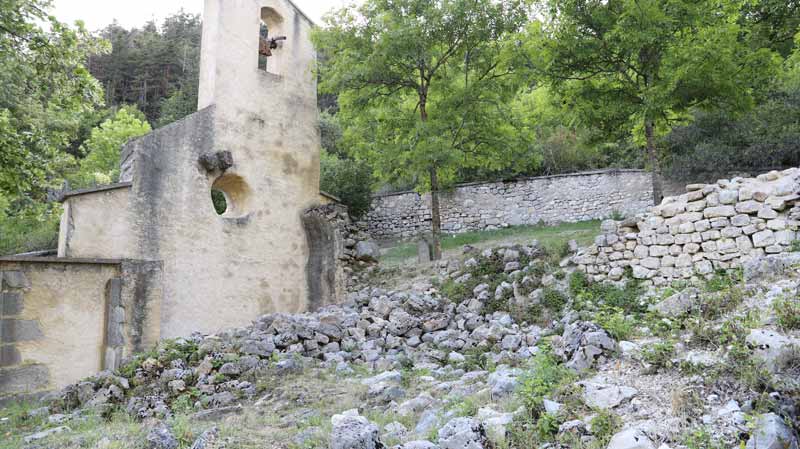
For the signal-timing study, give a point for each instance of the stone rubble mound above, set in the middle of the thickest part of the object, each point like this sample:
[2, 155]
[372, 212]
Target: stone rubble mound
[376, 327]
[710, 227]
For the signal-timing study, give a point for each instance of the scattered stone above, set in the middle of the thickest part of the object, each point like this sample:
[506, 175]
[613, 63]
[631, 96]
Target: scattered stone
[161, 437]
[632, 438]
[463, 433]
[46, 433]
[207, 439]
[771, 432]
[352, 431]
[604, 396]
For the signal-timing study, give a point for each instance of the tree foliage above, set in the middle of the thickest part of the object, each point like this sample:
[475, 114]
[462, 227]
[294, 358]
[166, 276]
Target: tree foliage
[153, 67]
[640, 65]
[424, 86]
[46, 93]
[100, 164]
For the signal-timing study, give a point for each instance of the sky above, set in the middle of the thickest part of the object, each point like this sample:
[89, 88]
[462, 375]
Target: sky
[134, 13]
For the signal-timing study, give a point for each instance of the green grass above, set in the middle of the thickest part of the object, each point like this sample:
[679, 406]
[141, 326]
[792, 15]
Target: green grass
[551, 237]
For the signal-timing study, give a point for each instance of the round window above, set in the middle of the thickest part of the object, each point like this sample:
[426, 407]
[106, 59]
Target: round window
[230, 196]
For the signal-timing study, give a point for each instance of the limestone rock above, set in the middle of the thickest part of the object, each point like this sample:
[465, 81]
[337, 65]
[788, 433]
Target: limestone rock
[771, 432]
[463, 433]
[775, 349]
[161, 437]
[632, 438]
[368, 251]
[678, 304]
[583, 344]
[352, 431]
[604, 396]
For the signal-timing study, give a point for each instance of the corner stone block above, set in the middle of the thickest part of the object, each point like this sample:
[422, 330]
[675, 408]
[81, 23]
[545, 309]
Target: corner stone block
[12, 331]
[15, 279]
[23, 379]
[9, 355]
[10, 303]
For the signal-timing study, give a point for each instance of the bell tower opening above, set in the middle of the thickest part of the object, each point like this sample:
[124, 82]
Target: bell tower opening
[270, 41]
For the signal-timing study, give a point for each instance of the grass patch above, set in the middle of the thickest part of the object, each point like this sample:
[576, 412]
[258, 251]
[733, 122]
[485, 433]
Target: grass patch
[552, 238]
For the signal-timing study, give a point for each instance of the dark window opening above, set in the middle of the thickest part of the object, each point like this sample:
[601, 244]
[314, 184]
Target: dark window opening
[219, 201]
[263, 46]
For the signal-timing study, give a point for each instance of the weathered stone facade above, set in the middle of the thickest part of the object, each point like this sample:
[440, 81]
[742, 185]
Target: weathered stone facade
[332, 241]
[64, 319]
[480, 206]
[710, 227]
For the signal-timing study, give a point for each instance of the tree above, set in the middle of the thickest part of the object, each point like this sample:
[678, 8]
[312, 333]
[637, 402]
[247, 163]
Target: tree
[641, 65]
[102, 150]
[153, 67]
[46, 93]
[424, 86]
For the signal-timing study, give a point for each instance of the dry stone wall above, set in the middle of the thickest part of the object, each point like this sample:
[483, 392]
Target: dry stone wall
[710, 227]
[483, 206]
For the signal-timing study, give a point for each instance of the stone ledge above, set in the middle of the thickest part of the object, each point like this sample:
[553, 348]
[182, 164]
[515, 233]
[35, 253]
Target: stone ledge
[120, 185]
[523, 179]
[65, 260]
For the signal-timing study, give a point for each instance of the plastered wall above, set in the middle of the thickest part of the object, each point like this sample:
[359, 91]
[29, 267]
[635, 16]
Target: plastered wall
[102, 219]
[225, 270]
[53, 323]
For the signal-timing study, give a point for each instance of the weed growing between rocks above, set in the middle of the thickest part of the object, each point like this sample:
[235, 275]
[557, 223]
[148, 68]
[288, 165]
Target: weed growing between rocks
[545, 379]
[787, 312]
[519, 279]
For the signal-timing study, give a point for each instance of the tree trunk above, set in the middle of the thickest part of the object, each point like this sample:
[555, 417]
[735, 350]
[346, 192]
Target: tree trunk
[655, 166]
[436, 221]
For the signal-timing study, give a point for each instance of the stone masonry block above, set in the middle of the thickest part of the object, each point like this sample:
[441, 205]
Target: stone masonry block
[12, 331]
[23, 379]
[15, 279]
[9, 355]
[10, 303]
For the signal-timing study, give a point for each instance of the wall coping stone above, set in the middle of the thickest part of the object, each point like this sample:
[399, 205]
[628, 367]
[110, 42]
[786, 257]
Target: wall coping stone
[104, 188]
[64, 260]
[521, 179]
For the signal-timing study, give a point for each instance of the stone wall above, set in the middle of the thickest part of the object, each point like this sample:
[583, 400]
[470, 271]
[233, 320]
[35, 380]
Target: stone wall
[337, 253]
[65, 319]
[480, 206]
[710, 227]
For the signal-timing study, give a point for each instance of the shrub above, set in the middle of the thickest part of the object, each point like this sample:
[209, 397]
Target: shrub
[616, 323]
[604, 425]
[724, 280]
[626, 298]
[349, 180]
[553, 299]
[701, 439]
[659, 355]
[543, 379]
[787, 310]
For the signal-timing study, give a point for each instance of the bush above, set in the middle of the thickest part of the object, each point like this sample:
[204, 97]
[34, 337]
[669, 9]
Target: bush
[349, 180]
[787, 310]
[767, 136]
[659, 355]
[616, 323]
[31, 229]
[599, 294]
[604, 425]
[542, 379]
[553, 299]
